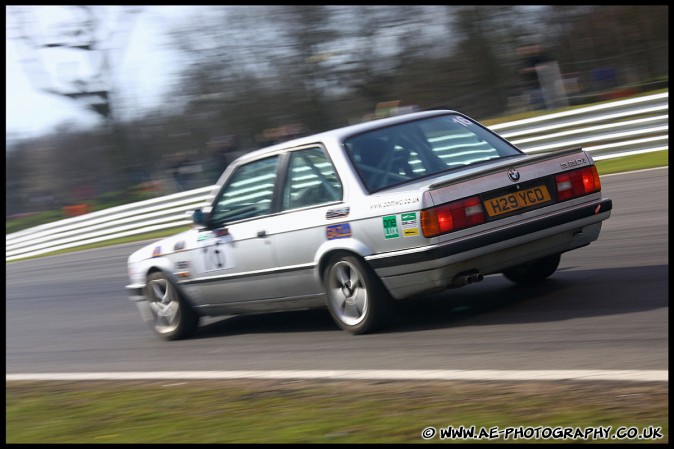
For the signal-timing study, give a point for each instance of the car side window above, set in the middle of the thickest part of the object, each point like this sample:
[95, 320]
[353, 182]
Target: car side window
[248, 192]
[311, 179]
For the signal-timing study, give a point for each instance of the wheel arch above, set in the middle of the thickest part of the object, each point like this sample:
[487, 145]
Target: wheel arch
[166, 271]
[340, 246]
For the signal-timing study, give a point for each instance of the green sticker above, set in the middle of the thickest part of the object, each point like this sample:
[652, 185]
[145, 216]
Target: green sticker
[410, 224]
[391, 227]
[409, 219]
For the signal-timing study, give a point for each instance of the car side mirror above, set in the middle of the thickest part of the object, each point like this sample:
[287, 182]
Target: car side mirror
[200, 217]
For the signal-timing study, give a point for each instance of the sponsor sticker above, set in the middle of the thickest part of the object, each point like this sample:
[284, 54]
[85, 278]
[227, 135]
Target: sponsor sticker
[462, 121]
[391, 230]
[205, 236]
[394, 203]
[338, 231]
[332, 214]
[410, 224]
[221, 232]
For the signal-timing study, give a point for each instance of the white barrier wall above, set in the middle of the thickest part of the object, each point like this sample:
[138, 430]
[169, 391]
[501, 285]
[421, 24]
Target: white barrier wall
[608, 130]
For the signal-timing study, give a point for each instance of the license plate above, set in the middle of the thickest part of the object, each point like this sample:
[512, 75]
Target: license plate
[517, 200]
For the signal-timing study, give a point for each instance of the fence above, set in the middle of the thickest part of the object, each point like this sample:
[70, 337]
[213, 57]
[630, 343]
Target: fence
[608, 130]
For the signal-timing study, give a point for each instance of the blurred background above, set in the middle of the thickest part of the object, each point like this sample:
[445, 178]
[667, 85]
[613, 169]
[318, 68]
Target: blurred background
[108, 105]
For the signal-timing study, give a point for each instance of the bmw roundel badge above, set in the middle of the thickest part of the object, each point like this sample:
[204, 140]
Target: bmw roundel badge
[514, 175]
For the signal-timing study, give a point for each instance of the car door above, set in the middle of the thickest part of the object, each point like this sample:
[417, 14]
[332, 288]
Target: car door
[234, 261]
[311, 188]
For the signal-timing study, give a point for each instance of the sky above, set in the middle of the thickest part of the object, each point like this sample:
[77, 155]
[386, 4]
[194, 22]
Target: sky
[142, 66]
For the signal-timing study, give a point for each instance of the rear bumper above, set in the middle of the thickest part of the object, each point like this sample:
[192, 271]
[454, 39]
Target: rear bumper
[419, 271]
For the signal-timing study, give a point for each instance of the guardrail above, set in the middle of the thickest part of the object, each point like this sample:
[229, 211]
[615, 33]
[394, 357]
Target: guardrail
[608, 130]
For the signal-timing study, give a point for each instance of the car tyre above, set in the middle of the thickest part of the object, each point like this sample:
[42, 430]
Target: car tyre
[533, 272]
[357, 300]
[172, 318]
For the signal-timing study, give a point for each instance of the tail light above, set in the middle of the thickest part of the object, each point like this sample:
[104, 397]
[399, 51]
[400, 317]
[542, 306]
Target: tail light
[452, 216]
[573, 184]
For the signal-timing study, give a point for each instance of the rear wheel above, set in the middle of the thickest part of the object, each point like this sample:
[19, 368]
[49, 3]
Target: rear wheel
[172, 317]
[357, 300]
[533, 272]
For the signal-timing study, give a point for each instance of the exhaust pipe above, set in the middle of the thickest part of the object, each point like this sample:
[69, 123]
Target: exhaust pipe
[476, 277]
[460, 280]
[466, 278]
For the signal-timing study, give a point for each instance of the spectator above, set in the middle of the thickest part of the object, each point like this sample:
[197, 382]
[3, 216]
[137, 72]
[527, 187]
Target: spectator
[221, 151]
[530, 83]
[183, 170]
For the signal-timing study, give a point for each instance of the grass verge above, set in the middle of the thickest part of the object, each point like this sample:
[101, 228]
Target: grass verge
[261, 411]
[634, 162]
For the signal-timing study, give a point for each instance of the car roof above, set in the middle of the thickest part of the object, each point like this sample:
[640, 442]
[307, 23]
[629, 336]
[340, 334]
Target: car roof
[339, 134]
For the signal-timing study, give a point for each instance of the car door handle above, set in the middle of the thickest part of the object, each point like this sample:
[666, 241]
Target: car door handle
[261, 234]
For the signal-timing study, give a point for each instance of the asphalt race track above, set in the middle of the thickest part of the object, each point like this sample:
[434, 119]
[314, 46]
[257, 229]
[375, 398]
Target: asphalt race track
[606, 308]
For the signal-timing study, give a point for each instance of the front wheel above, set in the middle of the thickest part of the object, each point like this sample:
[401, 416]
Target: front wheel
[533, 272]
[171, 317]
[357, 300]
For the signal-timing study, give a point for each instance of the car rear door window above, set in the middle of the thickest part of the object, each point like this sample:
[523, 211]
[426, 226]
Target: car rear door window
[311, 179]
